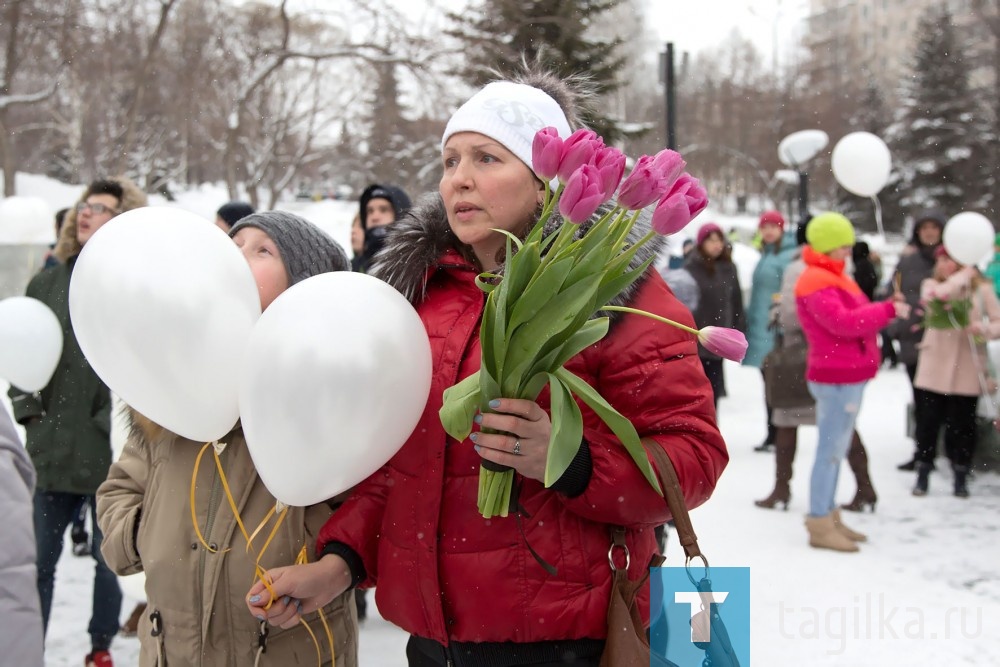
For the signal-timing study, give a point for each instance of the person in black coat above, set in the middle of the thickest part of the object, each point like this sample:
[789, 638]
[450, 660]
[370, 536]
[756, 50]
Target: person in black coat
[379, 207]
[865, 274]
[720, 300]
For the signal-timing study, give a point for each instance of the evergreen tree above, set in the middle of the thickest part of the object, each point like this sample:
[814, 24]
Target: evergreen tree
[498, 34]
[941, 137]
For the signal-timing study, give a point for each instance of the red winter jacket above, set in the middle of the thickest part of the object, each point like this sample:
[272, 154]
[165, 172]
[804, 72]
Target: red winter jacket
[445, 573]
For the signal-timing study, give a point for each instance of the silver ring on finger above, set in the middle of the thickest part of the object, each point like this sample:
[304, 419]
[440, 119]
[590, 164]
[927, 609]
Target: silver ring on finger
[517, 447]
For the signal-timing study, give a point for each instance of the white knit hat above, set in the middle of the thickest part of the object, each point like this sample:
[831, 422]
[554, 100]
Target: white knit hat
[511, 114]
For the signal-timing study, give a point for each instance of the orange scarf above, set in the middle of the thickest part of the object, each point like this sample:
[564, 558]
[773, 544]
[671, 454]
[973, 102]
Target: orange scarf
[822, 272]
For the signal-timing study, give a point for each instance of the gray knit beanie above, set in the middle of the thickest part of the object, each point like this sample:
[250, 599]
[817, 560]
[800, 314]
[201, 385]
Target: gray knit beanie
[306, 250]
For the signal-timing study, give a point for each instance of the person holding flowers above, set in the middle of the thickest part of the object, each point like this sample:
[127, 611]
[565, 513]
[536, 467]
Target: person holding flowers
[519, 574]
[961, 313]
[841, 326]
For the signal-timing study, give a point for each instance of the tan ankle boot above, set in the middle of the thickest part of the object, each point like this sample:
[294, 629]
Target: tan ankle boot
[823, 534]
[847, 532]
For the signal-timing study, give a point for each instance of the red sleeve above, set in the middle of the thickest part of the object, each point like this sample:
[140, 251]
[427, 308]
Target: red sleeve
[357, 523]
[650, 372]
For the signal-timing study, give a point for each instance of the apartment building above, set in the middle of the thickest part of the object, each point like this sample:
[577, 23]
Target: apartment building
[851, 40]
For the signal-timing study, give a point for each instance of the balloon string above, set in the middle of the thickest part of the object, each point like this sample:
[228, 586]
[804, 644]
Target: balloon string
[302, 559]
[259, 572]
[260, 527]
[878, 216]
[194, 515]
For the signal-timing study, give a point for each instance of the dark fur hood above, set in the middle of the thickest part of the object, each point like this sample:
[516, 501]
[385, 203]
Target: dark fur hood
[417, 242]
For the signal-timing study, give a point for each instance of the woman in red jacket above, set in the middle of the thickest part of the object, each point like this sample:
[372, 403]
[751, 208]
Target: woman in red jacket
[531, 588]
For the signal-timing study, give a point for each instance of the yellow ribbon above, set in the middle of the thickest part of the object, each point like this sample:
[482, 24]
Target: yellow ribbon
[259, 571]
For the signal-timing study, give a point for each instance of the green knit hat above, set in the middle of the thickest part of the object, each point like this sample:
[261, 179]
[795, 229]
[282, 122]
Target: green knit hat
[829, 231]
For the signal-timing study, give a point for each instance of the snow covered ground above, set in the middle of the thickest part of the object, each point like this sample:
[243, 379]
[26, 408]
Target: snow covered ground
[924, 590]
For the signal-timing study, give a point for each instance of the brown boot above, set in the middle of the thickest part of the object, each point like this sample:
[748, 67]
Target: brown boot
[845, 531]
[857, 458]
[824, 535]
[784, 456]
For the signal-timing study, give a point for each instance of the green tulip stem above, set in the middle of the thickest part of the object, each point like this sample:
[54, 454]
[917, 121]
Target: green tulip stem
[636, 311]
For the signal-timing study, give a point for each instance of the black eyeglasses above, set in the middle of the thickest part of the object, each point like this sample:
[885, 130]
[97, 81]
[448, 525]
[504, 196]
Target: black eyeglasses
[98, 209]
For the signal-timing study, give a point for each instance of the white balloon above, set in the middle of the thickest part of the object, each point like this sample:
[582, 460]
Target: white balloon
[862, 163]
[799, 147]
[968, 238]
[31, 341]
[26, 220]
[337, 374]
[134, 586]
[162, 303]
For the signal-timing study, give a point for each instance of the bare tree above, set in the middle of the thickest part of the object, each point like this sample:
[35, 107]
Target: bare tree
[19, 31]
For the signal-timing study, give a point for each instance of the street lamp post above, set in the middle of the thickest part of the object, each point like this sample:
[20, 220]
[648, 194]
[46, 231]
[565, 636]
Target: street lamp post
[667, 78]
[795, 151]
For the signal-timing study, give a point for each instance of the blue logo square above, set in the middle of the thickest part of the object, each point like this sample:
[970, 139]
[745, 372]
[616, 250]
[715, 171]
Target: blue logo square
[680, 628]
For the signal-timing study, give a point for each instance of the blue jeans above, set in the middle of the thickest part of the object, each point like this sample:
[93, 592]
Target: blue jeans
[837, 407]
[54, 511]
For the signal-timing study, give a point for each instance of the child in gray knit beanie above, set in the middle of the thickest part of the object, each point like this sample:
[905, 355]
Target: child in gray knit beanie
[306, 250]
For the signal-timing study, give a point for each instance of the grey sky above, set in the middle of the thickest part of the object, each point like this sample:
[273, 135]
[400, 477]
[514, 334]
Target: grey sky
[704, 24]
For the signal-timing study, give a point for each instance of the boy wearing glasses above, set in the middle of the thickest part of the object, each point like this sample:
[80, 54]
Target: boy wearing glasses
[68, 423]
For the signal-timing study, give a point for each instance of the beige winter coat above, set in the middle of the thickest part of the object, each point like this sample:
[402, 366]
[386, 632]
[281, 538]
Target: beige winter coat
[945, 364]
[144, 510]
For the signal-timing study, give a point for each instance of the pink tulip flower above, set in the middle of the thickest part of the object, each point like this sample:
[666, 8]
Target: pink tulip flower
[546, 152]
[584, 193]
[642, 187]
[727, 343]
[578, 150]
[669, 165]
[678, 207]
[611, 163]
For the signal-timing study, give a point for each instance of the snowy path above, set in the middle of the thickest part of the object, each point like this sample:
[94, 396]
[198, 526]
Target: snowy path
[924, 590]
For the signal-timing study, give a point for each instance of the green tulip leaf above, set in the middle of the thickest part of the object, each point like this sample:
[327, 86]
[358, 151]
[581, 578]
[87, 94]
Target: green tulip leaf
[618, 424]
[567, 431]
[461, 402]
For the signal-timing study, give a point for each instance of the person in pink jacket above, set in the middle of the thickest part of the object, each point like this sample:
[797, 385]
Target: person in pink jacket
[952, 370]
[841, 326]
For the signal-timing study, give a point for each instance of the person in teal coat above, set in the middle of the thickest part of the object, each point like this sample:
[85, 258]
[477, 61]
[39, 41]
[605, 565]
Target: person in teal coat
[777, 252]
[993, 270]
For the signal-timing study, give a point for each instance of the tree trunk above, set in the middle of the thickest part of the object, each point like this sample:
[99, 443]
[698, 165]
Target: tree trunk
[8, 158]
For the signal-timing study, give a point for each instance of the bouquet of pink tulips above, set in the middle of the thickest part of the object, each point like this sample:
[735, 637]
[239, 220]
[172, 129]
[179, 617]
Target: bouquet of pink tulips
[541, 312]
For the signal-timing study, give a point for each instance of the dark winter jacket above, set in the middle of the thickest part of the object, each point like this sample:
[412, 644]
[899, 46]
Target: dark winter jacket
[721, 300]
[70, 441]
[375, 236]
[68, 423]
[442, 571]
[865, 273]
[916, 264]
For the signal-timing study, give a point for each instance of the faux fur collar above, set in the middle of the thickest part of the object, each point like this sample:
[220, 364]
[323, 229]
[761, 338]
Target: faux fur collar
[144, 430]
[416, 243]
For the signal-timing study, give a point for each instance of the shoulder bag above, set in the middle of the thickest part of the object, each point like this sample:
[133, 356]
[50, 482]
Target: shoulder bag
[627, 644]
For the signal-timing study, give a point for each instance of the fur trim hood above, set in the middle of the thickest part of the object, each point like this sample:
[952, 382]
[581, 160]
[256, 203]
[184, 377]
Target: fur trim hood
[416, 244]
[67, 246]
[143, 429]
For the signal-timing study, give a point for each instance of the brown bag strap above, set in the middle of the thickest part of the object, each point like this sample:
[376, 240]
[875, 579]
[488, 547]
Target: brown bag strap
[671, 486]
